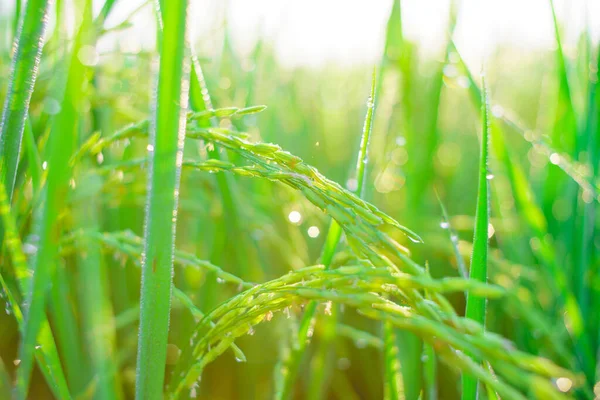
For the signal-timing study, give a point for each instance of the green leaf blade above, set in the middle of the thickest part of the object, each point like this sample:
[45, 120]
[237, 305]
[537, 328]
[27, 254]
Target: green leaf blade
[476, 306]
[166, 150]
[23, 76]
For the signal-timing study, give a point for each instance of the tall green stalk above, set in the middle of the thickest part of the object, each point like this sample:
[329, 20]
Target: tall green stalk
[23, 74]
[45, 352]
[565, 137]
[166, 152]
[475, 304]
[533, 216]
[593, 127]
[47, 225]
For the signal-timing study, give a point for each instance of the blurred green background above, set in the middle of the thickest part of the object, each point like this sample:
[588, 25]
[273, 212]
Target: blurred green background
[424, 141]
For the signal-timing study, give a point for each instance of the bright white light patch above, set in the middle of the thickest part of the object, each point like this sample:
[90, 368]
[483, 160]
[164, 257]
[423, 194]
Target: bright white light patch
[294, 217]
[313, 231]
[491, 231]
[564, 384]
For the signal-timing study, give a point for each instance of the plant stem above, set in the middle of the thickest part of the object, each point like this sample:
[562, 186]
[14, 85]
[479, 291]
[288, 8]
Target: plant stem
[476, 305]
[166, 152]
[23, 75]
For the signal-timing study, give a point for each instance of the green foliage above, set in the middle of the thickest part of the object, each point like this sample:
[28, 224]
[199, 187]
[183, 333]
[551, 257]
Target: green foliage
[23, 75]
[476, 306]
[332, 270]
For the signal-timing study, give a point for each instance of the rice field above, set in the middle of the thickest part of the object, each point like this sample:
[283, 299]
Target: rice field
[180, 223]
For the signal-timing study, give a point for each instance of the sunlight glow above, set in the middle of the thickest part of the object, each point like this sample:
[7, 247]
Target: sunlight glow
[351, 32]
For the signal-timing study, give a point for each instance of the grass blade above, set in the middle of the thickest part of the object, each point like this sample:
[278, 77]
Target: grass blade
[166, 152]
[445, 224]
[97, 313]
[33, 157]
[65, 326]
[46, 352]
[24, 71]
[594, 132]
[62, 141]
[476, 305]
[429, 372]
[587, 226]
[543, 248]
[393, 385]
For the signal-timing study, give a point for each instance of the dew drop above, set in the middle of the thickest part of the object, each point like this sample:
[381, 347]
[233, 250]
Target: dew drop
[444, 225]
[414, 239]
